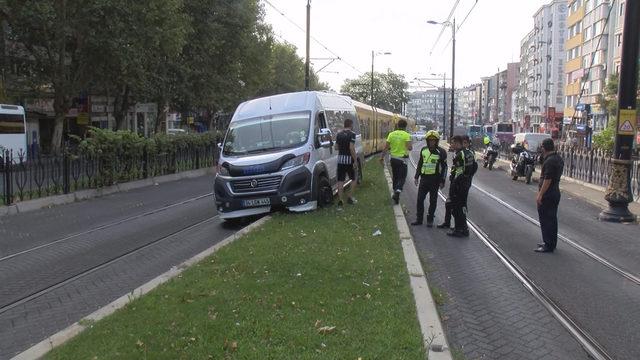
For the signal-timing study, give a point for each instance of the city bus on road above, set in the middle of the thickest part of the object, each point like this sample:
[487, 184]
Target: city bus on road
[13, 131]
[504, 132]
[475, 131]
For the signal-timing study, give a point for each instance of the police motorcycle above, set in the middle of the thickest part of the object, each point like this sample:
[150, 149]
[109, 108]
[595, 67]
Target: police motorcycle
[522, 163]
[490, 155]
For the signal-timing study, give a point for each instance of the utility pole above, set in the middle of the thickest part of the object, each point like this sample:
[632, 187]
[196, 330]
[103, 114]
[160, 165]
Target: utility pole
[373, 55]
[453, 76]
[619, 193]
[307, 63]
[495, 119]
[444, 105]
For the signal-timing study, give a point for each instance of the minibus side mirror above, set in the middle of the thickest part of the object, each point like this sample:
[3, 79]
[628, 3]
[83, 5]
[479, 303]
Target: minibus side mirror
[324, 138]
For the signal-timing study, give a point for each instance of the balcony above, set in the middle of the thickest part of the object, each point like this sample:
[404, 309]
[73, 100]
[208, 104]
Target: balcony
[574, 41]
[569, 111]
[573, 65]
[576, 16]
[573, 89]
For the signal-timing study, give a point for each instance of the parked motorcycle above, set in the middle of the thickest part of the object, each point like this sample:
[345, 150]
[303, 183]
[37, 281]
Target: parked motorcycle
[522, 163]
[490, 155]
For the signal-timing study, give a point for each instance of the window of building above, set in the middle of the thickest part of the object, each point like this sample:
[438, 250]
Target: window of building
[595, 87]
[588, 5]
[618, 40]
[621, 12]
[597, 28]
[588, 33]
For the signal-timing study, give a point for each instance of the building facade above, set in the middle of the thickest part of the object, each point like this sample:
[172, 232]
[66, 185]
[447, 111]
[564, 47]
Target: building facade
[431, 105]
[467, 105]
[488, 95]
[524, 96]
[592, 54]
[513, 73]
[548, 44]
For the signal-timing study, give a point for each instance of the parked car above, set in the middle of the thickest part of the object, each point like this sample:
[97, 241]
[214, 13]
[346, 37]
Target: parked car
[418, 135]
[279, 152]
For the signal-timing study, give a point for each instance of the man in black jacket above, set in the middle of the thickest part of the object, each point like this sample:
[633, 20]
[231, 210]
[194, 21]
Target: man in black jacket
[431, 173]
[548, 197]
[463, 169]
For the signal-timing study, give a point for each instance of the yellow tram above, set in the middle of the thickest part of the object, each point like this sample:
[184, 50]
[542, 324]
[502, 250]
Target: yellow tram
[376, 124]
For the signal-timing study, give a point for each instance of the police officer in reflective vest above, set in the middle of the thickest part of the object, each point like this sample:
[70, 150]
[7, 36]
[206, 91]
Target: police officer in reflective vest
[463, 168]
[431, 173]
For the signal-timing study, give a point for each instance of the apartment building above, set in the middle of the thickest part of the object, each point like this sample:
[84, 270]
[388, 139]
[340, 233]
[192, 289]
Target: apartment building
[589, 60]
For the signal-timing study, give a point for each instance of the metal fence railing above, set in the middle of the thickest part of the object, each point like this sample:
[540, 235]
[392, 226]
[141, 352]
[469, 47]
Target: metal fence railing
[590, 166]
[23, 178]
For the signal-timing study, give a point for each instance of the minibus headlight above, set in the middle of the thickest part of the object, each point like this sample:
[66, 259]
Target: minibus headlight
[223, 171]
[296, 161]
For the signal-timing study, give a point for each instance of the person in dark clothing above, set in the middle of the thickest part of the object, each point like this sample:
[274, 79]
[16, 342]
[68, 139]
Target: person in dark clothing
[463, 168]
[347, 161]
[431, 173]
[470, 156]
[548, 197]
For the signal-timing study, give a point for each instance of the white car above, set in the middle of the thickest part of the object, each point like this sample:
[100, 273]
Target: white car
[418, 135]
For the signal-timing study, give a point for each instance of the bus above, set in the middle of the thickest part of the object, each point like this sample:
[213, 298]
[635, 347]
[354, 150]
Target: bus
[13, 131]
[488, 131]
[475, 131]
[504, 132]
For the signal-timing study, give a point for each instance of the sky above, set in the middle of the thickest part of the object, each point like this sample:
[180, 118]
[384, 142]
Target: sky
[351, 29]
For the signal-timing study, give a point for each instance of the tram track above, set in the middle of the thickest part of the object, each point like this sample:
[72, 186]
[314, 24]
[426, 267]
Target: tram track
[633, 278]
[582, 336]
[101, 265]
[105, 226]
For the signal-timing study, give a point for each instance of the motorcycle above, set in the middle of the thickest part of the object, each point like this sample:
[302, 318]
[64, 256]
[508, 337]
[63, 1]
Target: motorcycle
[522, 163]
[490, 156]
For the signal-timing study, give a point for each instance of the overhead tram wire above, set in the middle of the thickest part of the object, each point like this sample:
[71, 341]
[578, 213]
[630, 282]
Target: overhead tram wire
[312, 37]
[462, 23]
[453, 10]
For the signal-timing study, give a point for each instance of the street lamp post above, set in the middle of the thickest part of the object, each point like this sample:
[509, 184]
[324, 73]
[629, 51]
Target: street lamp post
[307, 63]
[619, 193]
[453, 68]
[444, 102]
[373, 56]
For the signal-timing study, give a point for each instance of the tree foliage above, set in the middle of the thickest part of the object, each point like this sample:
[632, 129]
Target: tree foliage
[390, 90]
[201, 56]
[605, 138]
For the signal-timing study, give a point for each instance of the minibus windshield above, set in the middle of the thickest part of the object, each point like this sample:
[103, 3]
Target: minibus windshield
[266, 134]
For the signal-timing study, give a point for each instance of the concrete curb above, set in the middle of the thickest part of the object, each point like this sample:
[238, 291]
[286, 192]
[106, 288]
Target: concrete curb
[49, 201]
[433, 334]
[42, 348]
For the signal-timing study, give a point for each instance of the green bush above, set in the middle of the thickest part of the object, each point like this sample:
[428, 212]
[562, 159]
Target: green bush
[604, 139]
[121, 153]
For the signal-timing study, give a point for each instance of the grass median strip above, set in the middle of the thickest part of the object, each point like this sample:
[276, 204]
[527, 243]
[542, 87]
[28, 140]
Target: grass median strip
[308, 286]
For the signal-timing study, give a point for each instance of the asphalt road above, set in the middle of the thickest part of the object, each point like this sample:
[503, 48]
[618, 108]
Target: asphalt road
[599, 300]
[42, 250]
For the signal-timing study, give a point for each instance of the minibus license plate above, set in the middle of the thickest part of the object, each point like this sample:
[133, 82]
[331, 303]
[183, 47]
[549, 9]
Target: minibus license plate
[257, 202]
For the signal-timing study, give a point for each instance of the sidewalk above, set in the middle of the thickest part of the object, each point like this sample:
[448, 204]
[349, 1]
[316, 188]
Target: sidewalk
[327, 284]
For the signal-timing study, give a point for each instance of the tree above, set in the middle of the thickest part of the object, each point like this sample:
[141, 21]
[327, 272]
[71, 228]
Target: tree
[390, 90]
[605, 139]
[52, 35]
[135, 48]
